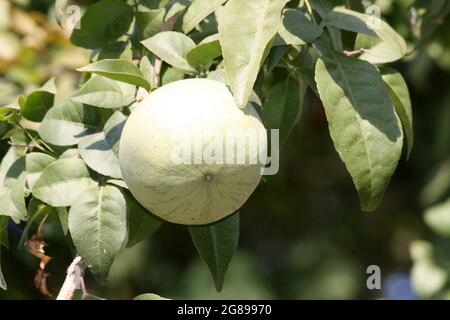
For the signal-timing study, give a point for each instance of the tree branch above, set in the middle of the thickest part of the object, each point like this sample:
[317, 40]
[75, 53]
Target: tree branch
[73, 280]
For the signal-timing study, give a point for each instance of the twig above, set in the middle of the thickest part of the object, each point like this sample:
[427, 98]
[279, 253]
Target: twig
[310, 11]
[41, 226]
[354, 52]
[414, 19]
[136, 6]
[73, 279]
[157, 75]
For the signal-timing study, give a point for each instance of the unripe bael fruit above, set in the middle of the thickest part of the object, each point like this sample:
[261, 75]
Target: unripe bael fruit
[190, 116]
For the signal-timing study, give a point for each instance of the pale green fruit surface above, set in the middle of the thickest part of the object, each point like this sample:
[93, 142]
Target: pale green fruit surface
[179, 192]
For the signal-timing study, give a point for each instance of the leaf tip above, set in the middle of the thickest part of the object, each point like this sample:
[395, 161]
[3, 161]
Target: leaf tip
[369, 205]
[218, 283]
[409, 151]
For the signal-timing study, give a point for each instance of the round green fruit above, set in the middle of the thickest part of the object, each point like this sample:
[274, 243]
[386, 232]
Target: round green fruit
[187, 152]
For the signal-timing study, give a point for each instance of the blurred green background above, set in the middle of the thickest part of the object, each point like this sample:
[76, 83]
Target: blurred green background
[303, 235]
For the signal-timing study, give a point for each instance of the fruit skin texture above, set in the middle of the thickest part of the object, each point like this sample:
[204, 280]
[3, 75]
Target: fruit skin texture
[191, 194]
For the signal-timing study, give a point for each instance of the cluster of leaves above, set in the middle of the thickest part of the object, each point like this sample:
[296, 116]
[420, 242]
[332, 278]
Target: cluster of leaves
[63, 155]
[430, 273]
[431, 259]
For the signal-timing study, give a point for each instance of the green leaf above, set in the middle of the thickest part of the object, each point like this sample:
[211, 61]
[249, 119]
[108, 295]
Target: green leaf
[16, 136]
[171, 47]
[198, 11]
[12, 192]
[105, 93]
[100, 150]
[118, 69]
[67, 123]
[149, 296]
[10, 112]
[349, 20]
[70, 153]
[19, 139]
[35, 164]
[363, 124]
[147, 67]
[216, 244]
[282, 107]
[399, 92]
[49, 86]
[382, 43]
[150, 21]
[103, 22]
[61, 182]
[4, 231]
[117, 50]
[206, 51]
[118, 183]
[2, 279]
[218, 75]
[174, 7]
[37, 104]
[275, 56]
[305, 65]
[97, 223]
[389, 47]
[63, 216]
[172, 75]
[24, 170]
[141, 224]
[296, 29]
[438, 218]
[10, 157]
[246, 28]
[323, 7]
